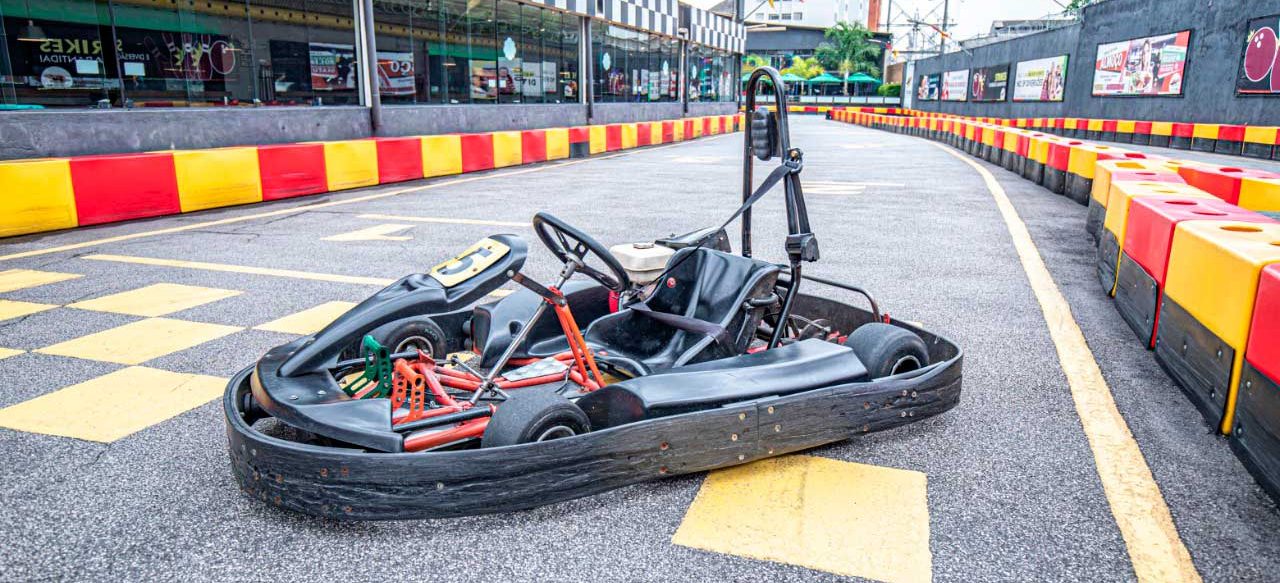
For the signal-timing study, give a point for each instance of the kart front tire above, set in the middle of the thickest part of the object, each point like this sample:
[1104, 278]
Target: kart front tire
[406, 335]
[888, 350]
[531, 415]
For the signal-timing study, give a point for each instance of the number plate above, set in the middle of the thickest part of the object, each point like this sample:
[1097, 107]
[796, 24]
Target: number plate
[475, 259]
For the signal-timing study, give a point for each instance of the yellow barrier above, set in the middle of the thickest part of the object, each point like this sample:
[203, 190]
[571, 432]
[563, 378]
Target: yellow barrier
[1122, 193]
[441, 155]
[507, 149]
[37, 196]
[1214, 268]
[1260, 194]
[655, 133]
[677, 130]
[222, 177]
[350, 164]
[557, 143]
[1104, 169]
[629, 132]
[598, 139]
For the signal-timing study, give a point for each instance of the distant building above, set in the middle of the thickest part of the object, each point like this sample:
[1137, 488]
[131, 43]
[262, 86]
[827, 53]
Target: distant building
[780, 42]
[813, 13]
[1007, 29]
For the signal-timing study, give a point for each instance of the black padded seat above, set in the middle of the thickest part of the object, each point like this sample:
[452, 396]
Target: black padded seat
[805, 365]
[710, 286]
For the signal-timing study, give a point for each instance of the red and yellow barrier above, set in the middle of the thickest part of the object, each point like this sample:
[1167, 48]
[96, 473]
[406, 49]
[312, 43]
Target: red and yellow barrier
[399, 159]
[221, 177]
[38, 196]
[102, 196]
[441, 155]
[350, 164]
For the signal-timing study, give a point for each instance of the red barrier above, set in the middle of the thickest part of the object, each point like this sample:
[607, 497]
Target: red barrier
[533, 146]
[643, 134]
[612, 137]
[1222, 182]
[1148, 237]
[1264, 334]
[477, 152]
[118, 187]
[1060, 154]
[668, 132]
[580, 135]
[290, 170]
[399, 159]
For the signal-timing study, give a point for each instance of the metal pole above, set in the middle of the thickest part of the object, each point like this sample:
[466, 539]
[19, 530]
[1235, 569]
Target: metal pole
[370, 69]
[586, 66]
[946, 15]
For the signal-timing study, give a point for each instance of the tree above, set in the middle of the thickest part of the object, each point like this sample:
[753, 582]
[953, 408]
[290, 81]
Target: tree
[804, 68]
[1075, 7]
[849, 51]
[753, 62]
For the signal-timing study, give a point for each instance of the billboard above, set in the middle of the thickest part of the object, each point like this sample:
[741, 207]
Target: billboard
[1150, 66]
[1041, 79]
[1260, 67]
[928, 89]
[989, 83]
[955, 85]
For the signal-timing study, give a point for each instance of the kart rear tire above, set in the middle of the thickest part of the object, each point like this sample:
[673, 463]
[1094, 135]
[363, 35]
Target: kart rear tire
[405, 335]
[887, 350]
[530, 415]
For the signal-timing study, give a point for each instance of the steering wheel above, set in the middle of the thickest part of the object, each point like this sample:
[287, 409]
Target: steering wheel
[572, 245]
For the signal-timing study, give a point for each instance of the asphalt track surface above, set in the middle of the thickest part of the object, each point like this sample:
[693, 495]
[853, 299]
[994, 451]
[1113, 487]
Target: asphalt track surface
[1012, 487]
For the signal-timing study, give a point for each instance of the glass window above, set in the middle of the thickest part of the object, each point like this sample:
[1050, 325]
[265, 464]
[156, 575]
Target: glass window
[53, 55]
[404, 32]
[530, 81]
[484, 51]
[632, 65]
[458, 84]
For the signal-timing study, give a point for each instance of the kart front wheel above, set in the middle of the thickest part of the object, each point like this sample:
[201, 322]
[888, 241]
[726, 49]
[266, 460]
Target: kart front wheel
[531, 415]
[887, 350]
[405, 336]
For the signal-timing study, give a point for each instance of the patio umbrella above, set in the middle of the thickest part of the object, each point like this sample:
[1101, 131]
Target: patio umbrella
[863, 78]
[823, 79]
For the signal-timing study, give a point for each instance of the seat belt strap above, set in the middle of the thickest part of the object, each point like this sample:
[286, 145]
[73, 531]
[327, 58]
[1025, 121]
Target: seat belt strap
[715, 331]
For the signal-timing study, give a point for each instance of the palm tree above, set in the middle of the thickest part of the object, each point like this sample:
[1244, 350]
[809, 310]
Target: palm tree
[850, 51]
[804, 68]
[753, 62]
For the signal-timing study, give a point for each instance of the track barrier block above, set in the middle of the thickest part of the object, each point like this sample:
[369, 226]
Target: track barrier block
[477, 152]
[220, 177]
[1117, 218]
[350, 164]
[37, 196]
[533, 146]
[119, 187]
[399, 159]
[441, 155]
[507, 149]
[557, 143]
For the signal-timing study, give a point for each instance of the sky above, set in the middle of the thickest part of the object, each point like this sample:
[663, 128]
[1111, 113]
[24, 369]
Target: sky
[973, 17]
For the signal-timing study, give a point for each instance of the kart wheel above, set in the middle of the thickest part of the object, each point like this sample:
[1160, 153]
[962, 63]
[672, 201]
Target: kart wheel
[534, 415]
[406, 335]
[888, 350]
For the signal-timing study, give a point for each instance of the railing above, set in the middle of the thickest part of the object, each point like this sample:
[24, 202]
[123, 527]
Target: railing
[847, 100]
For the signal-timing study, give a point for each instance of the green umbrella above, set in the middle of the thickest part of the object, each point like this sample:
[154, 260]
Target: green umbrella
[862, 78]
[792, 78]
[825, 78]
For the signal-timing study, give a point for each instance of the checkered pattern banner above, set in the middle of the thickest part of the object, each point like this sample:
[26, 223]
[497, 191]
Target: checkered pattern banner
[583, 7]
[658, 16]
[713, 30]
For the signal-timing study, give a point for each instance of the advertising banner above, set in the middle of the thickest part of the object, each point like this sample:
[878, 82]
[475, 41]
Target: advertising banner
[929, 87]
[333, 67]
[395, 73]
[989, 83]
[1041, 79]
[1260, 68]
[955, 85]
[1151, 66]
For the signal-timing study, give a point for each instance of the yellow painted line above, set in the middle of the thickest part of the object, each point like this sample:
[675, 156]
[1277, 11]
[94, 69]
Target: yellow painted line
[374, 233]
[845, 518]
[322, 205]
[1155, 547]
[140, 341]
[329, 277]
[114, 405]
[15, 279]
[308, 321]
[156, 300]
[446, 220]
[10, 309]
[7, 352]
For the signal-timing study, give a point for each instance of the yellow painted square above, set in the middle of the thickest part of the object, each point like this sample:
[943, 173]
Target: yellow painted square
[114, 405]
[36, 196]
[629, 133]
[7, 352]
[16, 279]
[441, 155]
[845, 518]
[598, 139]
[140, 341]
[507, 149]
[557, 143]
[351, 164]
[308, 321]
[217, 177]
[10, 309]
[156, 300]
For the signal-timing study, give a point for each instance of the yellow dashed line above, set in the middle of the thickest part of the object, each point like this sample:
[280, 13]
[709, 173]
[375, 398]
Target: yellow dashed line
[140, 341]
[308, 321]
[330, 277]
[846, 518]
[1155, 548]
[114, 405]
[156, 300]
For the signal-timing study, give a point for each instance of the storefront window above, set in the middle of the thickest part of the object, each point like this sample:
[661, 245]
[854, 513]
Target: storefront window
[634, 66]
[712, 74]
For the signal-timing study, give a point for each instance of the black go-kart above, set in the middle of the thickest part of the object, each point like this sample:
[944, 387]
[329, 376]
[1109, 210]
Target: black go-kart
[432, 399]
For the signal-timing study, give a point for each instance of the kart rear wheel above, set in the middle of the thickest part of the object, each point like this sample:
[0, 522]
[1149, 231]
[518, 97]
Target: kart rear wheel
[531, 415]
[888, 350]
[406, 335]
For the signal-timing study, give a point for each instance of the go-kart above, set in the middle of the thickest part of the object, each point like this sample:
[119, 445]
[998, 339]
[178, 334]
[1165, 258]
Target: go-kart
[432, 398]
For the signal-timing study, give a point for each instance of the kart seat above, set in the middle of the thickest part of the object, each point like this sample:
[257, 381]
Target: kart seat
[805, 365]
[706, 312]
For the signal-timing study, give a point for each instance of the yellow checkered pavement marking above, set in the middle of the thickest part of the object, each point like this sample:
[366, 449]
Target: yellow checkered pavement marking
[15, 279]
[114, 405]
[850, 519]
[308, 321]
[156, 300]
[140, 341]
[353, 279]
[7, 352]
[374, 233]
[10, 309]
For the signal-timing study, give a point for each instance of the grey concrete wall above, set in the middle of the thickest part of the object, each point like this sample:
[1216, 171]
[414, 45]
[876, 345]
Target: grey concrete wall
[1218, 35]
[39, 134]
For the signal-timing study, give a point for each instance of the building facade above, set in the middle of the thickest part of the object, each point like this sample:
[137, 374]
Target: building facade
[812, 13]
[279, 66]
